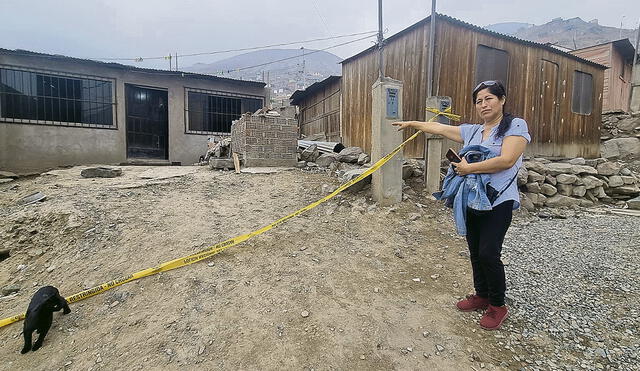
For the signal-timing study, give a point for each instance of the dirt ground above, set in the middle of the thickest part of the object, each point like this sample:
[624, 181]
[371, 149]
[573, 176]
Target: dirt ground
[379, 284]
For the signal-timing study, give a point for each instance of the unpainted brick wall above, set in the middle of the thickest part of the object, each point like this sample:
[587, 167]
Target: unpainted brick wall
[265, 141]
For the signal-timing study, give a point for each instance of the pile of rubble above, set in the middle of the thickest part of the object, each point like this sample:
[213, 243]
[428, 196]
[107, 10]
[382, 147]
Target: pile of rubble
[620, 138]
[577, 182]
[346, 164]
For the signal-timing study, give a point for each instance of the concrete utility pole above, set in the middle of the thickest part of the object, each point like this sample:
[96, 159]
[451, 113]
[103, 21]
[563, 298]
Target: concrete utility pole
[380, 40]
[386, 108]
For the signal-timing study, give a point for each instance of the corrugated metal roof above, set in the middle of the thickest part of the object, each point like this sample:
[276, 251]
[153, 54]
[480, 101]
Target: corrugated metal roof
[623, 45]
[27, 53]
[299, 95]
[479, 29]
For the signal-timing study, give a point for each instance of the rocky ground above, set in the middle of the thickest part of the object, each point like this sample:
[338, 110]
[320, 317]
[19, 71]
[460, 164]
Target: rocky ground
[349, 285]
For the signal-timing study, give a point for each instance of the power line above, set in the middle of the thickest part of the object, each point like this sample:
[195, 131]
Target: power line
[297, 56]
[140, 59]
[315, 5]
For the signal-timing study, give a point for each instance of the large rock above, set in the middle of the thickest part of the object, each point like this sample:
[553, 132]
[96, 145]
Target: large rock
[566, 178]
[628, 179]
[591, 182]
[533, 187]
[350, 154]
[598, 192]
[352, 174]
[628, 190]
[595, 161]
[561, 201]
[628, 123]
[584, 169]
[558, 168]
[101, 172]
[526, 202]
[608, 168]
[534, 177]
[577, 161]
[523, 175]
[620, 148]
[634, 203]
[363, 159]
[310, 154]
[536, 198]
[615, 181]
[536, 166]
[548, 189]
[325, 159]
[565, 189]
[579, 191]
[8, 175]
[551, 179]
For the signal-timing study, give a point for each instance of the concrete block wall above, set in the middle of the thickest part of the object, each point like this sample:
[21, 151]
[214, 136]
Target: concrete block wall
[265, 141]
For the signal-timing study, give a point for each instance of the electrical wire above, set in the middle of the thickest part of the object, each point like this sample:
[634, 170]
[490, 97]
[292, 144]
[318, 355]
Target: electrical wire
[236, 50]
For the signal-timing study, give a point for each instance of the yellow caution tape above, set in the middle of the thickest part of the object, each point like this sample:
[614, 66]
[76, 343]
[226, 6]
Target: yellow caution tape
[219, 247]
[446, 113]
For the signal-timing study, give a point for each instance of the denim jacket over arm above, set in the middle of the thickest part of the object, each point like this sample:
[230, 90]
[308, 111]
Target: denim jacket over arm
[460, 192]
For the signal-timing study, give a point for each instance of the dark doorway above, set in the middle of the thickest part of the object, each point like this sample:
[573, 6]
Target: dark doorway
[147, 123]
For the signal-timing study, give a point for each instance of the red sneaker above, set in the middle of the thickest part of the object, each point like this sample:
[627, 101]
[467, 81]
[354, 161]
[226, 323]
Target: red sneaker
[473, 302]
[493, 317]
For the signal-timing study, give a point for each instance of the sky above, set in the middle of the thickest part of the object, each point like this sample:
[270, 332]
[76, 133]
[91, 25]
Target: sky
[99, 29]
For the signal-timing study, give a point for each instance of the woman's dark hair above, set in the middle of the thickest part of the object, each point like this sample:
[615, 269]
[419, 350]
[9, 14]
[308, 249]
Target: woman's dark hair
[496, 88]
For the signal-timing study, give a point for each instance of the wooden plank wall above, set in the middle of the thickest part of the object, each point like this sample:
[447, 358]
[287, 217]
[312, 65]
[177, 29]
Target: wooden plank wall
[570, 135]
[320, 112]
[600, 54]
[404, 60]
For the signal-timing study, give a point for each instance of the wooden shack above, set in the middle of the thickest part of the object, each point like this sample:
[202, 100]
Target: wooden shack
[319, 109]
[557, 93]
[618, 56]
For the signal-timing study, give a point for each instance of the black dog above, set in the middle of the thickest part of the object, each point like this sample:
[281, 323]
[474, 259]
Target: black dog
[40, 315]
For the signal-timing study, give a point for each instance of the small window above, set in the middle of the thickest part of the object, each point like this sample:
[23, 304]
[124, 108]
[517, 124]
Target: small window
[213, 113]
[34, 97]
[491, 64]
[582, 96]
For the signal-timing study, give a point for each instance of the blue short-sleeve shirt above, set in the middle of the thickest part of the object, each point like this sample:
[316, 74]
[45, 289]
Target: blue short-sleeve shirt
[473, 133]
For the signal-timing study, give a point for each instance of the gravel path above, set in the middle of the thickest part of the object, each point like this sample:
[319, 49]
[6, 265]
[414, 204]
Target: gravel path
[573, 289]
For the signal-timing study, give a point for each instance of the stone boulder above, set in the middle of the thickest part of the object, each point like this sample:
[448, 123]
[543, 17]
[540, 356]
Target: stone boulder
[221, 163]
[350, 154]
[310, 154]
[562, 201]
[579, 191]
[533, 187]
[584, 169]
[325, 159]
[536, 166]
[534, 177]
[550, 179]
[577, 161]
[566, 178]
[608, 168]
[557, 168]
[591, 182]
[363, 159]
[352, 174]
[548, 189]
[522, 177]
[620, 148]
[615, 181]
[565, 189]
[526, 202]
[634, 203]
[101, 172]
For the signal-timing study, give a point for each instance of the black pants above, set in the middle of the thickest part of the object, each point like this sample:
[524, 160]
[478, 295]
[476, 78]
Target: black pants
[485, 234]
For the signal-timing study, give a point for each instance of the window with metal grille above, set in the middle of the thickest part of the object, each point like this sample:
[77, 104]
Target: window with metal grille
[582, 96]
[491, 64]
[214, 112]
[44, 98]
